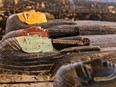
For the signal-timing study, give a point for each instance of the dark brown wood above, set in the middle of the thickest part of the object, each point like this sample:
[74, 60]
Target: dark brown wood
[55, 33]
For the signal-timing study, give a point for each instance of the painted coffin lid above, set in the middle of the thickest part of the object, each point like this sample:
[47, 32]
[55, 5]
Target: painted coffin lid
[32, 17]
[35, 43]
[32, 31]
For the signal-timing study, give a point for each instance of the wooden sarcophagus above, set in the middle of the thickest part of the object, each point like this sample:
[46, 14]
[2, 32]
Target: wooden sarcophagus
[38, 69]
[85, 27]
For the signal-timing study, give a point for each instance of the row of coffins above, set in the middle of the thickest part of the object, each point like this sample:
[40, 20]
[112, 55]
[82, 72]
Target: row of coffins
[87, 47]
[41, 49]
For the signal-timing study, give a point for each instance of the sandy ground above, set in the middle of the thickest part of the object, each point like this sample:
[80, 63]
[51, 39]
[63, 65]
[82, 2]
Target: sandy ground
[24, 78]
